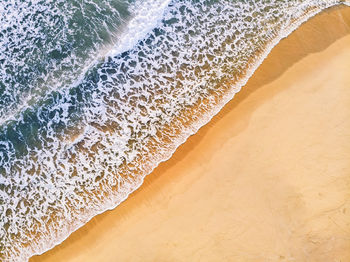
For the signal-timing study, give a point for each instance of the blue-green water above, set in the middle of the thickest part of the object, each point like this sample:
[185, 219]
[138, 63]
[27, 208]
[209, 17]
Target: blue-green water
[94, 94]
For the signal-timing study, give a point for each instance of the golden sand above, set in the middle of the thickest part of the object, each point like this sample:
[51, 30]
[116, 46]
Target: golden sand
[268, 179]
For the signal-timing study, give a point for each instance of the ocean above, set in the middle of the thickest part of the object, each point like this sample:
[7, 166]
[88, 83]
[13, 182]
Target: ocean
[94, 94]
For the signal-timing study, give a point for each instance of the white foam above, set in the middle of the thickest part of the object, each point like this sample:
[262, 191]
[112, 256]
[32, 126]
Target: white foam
[146, 16]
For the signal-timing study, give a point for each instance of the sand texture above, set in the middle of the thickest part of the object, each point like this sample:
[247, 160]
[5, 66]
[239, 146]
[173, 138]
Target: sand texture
[268, 179]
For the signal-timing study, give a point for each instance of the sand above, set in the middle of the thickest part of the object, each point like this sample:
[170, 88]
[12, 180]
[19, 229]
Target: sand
[268, 179]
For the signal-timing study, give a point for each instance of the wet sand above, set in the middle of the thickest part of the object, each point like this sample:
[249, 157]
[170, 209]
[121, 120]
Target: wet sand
[268, 179]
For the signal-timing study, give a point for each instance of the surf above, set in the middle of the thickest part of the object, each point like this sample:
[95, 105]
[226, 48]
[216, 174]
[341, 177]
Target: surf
[83, 147]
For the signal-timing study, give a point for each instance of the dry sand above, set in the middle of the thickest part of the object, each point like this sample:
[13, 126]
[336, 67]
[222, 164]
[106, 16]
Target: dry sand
[267, 180]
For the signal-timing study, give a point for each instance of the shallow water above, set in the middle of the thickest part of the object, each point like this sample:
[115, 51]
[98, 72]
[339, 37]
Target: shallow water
[94, 94]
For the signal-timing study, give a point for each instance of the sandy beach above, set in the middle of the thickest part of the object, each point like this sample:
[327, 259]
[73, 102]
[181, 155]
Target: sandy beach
[268, 179]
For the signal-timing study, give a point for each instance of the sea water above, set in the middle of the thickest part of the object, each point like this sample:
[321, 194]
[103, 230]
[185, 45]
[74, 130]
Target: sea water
[94, 94]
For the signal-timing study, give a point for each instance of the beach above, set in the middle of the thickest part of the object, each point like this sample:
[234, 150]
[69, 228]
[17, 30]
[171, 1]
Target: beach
[268, 179]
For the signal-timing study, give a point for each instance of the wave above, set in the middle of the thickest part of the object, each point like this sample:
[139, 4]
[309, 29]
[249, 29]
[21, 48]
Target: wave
[44, 53]
[147, 15]
[82, 149]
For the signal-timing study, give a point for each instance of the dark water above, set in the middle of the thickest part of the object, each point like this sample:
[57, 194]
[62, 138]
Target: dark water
[94, 94]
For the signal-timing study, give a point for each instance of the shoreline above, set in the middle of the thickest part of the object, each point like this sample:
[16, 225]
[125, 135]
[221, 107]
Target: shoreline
[175, 156]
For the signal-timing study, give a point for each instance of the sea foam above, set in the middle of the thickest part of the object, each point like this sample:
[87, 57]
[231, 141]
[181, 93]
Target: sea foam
[85, 145]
